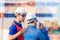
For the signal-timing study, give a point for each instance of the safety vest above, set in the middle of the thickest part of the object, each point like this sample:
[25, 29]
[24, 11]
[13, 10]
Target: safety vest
[20, 37]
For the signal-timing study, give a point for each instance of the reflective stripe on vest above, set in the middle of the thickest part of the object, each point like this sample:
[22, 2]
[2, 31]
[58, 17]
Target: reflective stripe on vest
[20, 37]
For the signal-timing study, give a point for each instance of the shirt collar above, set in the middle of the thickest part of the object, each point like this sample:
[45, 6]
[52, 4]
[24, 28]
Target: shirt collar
[19, 24]
[31, 26]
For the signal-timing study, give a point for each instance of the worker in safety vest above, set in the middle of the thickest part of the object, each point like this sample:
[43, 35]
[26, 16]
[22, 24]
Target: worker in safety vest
[16, 31]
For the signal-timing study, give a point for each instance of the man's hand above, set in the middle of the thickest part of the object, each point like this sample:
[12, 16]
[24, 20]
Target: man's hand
[12, 37]
[24, 30]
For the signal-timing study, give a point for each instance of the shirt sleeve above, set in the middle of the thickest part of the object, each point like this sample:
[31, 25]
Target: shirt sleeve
[12, 30]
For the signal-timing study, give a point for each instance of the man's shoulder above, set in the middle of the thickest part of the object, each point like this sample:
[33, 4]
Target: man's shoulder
[13, 26]
[12, 29]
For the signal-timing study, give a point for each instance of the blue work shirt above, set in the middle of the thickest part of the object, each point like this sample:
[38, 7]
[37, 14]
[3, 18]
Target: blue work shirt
[45, 33]
[33, 34]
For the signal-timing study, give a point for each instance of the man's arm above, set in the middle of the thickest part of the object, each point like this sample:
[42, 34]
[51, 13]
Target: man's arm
[11, 37]
[13, 34]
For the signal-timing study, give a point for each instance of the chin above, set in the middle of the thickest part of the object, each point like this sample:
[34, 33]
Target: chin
[23, 21]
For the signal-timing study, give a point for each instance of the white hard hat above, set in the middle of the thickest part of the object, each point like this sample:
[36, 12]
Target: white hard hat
[20, 10]
[30, 17]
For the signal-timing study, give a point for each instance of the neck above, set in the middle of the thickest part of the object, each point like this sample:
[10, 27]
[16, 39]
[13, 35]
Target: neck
[18, 21]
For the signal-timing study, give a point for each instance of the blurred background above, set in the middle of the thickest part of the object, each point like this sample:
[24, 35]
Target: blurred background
[47, 12]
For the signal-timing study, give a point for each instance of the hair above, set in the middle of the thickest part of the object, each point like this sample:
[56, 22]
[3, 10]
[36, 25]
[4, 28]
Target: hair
[31, 22]
[15, 16]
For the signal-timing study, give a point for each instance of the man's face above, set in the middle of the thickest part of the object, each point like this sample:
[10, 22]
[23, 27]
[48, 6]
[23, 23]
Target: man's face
[35, 22]
[21, 17]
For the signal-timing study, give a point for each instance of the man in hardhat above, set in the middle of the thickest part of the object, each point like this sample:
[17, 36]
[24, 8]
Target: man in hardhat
[32, 33]
[16, 31]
